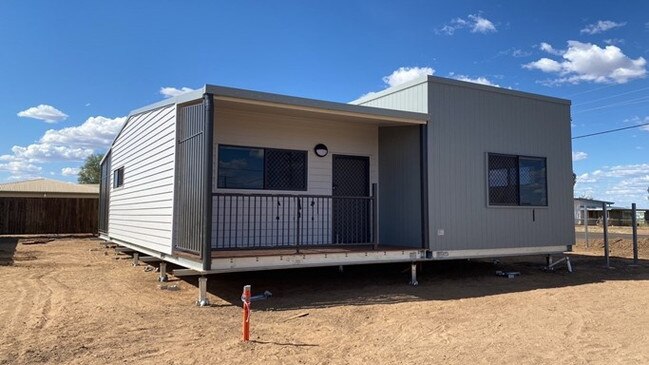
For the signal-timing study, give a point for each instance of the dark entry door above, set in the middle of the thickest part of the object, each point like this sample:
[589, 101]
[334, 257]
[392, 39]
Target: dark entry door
[351, 203]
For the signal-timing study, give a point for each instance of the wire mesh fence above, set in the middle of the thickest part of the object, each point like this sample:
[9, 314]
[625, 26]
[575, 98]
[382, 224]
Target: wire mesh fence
[617, 233]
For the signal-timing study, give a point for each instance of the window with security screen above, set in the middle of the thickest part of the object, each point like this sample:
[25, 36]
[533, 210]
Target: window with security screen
[262, 168]
[285, 169]
[517, 180]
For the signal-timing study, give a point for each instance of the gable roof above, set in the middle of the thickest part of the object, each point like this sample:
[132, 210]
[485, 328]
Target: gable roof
[44, 187]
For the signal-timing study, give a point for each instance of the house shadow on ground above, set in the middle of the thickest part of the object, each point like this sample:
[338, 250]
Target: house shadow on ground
[7, 250]
[388, 283]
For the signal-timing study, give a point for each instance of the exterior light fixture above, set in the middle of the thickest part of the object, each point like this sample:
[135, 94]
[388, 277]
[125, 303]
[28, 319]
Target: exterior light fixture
[320, 150]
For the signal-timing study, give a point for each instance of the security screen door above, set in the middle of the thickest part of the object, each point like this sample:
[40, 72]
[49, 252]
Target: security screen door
[351, 215]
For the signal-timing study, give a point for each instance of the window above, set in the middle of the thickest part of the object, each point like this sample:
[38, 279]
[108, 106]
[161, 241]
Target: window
[118, 177]
[532, 181]
[261, 168]
[241, 167]
[517, 180]
[285, 169]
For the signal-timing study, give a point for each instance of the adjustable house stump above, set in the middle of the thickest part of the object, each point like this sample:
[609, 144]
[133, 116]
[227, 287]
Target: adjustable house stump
[202, 293]
[162, 277]
[413, 274]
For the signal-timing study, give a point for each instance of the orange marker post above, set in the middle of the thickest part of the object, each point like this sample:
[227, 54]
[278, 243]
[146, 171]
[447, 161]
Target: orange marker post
[245, 298]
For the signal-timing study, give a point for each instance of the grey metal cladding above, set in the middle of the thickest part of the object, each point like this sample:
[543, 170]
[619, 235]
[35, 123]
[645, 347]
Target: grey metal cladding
[412, 99]
[465, 124]
[400, 186]
[104, 193]
[189, 199]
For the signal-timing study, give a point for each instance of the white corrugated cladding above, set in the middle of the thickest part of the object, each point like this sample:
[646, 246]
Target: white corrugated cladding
[141, 210]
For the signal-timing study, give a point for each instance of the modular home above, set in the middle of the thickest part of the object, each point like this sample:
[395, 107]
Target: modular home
[222, 179]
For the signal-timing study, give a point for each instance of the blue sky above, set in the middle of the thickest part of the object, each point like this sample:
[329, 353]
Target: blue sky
[70, 71]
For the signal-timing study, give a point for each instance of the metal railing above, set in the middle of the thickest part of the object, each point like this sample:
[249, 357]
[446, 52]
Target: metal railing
[260, 221]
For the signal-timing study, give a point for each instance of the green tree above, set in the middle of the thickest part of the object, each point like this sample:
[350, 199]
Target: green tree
[90, 172]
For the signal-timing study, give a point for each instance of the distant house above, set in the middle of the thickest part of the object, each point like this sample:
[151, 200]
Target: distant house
[590, 207]
[44, 206]
[620, 216]
[617, 216]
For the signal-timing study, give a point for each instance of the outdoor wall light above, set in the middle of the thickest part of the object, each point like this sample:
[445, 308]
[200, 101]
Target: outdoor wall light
[320, 150]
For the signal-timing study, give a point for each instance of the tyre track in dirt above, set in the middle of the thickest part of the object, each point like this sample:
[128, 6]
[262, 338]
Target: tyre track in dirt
[34, 299]
[30, 311]
[14, 294]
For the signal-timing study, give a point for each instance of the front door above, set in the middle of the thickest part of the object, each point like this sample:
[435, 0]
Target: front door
[351, 203]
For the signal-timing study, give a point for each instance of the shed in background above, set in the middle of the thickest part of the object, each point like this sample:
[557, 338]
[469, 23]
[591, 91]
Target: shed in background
[45, 206]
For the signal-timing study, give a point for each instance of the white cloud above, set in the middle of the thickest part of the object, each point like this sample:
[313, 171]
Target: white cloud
[19, 167]
[623, 184]
[545, 65]
[586, 178]
[626, 170]
[520, 53]
[578, 155]
[514, 52]
[95, 132]
[614, 41]
[476, 23]
[601, 26]
[586, 62]
[44, 152]
[405, 74]
[169, 92]
[44, 112]
[477, 80]
[546, 47]
[481, 25]
[65, 144]
[632, 187]
[70, 171]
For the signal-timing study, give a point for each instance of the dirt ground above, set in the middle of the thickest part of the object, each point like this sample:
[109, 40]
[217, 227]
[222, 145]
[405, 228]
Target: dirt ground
[71, 301]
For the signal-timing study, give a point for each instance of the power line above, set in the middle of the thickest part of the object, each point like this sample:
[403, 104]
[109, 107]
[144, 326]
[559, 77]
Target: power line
[590, 90]
[611, 131]
[611, 96]
[639, 100]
